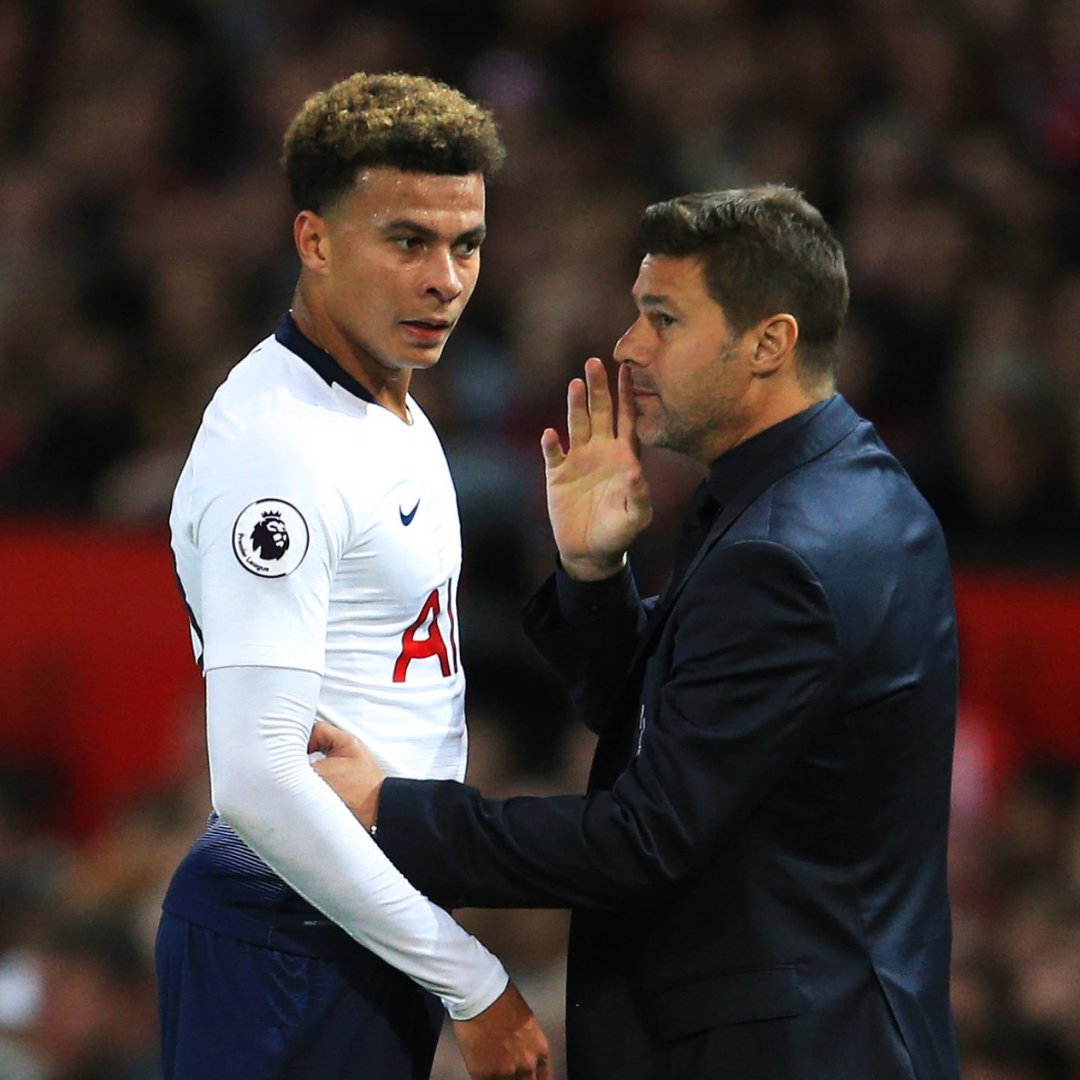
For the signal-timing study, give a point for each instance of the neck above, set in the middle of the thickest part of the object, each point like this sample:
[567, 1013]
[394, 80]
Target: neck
[773, 409]
[387, 386]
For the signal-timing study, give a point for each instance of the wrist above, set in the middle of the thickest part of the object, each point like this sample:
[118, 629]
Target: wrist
[593, 569]
[369, 810]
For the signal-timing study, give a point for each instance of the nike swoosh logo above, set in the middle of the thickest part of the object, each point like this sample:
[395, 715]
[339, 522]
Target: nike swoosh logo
[406, 519]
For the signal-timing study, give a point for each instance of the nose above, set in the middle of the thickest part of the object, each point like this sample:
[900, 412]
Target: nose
[628, 348]
[444, 277]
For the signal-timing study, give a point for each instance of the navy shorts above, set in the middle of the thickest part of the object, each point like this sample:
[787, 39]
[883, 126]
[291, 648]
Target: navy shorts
[234, 1011]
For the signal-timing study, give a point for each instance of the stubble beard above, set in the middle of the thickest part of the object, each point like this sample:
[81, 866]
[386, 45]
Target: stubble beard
[690, 433]
[670, 432]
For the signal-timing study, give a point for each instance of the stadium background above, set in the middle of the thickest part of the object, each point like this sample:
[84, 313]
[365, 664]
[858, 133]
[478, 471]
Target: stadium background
[145, 246]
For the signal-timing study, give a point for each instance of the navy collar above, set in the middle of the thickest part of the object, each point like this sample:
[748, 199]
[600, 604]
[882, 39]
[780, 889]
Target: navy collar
[327, 368]
[731, 470]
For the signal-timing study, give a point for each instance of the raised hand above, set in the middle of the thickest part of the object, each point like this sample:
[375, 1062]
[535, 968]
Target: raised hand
[598, 500]
[505, 1042]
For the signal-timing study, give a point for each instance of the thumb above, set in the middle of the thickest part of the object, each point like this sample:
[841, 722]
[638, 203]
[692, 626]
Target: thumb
[332, 741]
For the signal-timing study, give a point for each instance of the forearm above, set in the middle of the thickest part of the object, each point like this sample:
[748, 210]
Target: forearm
[751, 680]
[258, 721]
[593, 851]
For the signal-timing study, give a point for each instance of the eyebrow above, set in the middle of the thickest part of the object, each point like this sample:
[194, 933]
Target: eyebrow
[475, 235]
[652, 301]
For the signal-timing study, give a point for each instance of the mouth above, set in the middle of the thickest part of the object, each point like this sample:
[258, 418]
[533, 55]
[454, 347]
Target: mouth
[427, 331]
[643, 399]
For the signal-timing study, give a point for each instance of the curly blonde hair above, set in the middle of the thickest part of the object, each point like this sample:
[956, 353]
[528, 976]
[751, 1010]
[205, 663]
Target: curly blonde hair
[405, 121]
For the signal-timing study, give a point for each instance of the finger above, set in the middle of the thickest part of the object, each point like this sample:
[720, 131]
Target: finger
[552, 449]
[577, 413]
[626, 412]
[322, 735]
[543, 1067]
[600, 413]
[331, 740]
[540, 1054]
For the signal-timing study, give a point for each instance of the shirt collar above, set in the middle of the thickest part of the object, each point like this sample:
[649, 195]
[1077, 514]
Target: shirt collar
[729, 472]
[327, 368]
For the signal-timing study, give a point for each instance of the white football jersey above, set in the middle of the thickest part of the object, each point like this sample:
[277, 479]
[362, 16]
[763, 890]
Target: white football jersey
[314, 529]
[316, 532]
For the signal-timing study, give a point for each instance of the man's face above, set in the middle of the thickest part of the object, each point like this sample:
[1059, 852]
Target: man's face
[691, 376]
[402, 258]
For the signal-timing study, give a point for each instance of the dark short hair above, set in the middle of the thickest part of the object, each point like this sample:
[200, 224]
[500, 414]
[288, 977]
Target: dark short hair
[405, 121]
[765, 250]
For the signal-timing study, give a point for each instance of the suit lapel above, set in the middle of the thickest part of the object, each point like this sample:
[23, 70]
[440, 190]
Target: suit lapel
[816, 437]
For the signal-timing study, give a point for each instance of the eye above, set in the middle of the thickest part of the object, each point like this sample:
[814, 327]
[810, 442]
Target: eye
[661, 320]
[407, 243]
[468, 247]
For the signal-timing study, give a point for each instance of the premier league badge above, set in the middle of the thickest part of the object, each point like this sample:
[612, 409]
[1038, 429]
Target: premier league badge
[270, 538]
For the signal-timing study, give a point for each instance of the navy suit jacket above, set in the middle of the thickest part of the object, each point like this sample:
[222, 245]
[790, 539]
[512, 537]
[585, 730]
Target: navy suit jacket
[758, 870]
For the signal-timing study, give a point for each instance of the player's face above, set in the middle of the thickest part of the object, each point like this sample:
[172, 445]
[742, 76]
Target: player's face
[403, 256]
[693, 390]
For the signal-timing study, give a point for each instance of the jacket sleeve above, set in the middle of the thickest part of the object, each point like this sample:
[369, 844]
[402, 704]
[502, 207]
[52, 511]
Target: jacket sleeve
[751, 677]
[587, 632]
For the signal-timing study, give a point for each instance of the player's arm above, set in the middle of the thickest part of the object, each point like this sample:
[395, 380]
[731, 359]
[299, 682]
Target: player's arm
[263, 623]
[258, 723]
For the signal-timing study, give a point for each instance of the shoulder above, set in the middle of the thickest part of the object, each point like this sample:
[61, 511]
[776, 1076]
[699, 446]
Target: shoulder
[274, 408]
[860, 531]
[272, 437]
[855, 499]
[851, 516]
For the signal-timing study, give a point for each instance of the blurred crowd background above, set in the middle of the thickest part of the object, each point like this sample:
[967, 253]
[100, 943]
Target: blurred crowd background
[145, 246]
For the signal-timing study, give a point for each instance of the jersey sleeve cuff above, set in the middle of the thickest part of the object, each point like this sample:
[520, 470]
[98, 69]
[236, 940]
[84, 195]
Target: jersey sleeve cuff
[276, 656]
[489, 992]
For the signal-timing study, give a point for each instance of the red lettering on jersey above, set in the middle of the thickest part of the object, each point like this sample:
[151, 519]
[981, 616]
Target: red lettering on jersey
[414, 648]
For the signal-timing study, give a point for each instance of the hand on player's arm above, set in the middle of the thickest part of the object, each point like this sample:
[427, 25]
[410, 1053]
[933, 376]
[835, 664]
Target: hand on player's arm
[598, 500]
[505, 1041]
[349, 769]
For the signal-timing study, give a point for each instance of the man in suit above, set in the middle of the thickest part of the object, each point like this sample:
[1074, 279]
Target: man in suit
[758, 870]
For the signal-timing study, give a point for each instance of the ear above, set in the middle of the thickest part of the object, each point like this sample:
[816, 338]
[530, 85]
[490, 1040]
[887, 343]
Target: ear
[776, 338]
[312, 241]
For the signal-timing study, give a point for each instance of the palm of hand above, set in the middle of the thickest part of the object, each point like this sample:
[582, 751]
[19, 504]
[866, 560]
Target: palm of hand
[598, 500]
